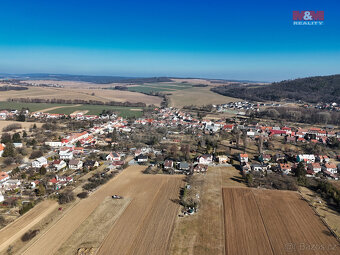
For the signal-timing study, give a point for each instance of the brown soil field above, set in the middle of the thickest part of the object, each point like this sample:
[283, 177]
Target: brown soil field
[198, 96]
[104, 95]
[17, 228]
[93, 230]
[203, 232]
[327, 213]
[273, 222]
[144, 226]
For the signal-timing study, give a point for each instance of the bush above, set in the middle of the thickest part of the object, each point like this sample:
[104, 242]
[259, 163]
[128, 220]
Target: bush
[11, 127]
[83, 194]
[66, 197]
[36, 154]
[25, 208]
[29, 235]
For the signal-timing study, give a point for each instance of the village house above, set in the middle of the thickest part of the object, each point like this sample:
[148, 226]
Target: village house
[243, 158]
[330, 167]
[59, 181]
[90, 164]
[223, 159]
[3, 177]
[307, 158]
[279, 157]
[59, 164]
[54, 144]
[200, 168]
[75, 164]
[322, 159]
[285, 168]
[39, 162]
[66, 154]
[183, 166]
[258, 167]
[315, 167]
[265, 157]
[205, 159]
[168, 164]
[2, 148]
[142, 158]
[113, 156]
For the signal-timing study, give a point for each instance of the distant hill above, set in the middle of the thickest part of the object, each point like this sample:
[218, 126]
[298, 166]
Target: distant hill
[86, 78]
[312, 89]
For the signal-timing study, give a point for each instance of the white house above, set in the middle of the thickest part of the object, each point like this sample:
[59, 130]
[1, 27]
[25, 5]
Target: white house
[243, 158]
[66, 154]
[308, 158]
[113, 156]
[59, 164]
[39, 162]
[54, 144]
[330, 167]
[205, 159]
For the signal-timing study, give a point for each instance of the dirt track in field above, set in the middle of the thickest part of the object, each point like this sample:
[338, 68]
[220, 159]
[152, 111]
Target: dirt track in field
[144, 227]
[17, 228]
[273, 222]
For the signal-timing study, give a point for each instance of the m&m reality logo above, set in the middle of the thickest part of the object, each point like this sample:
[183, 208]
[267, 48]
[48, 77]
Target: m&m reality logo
[308, 17]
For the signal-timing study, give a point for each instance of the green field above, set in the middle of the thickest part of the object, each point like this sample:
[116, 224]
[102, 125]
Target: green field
[68, 108]
[32, 107]
[97, 109]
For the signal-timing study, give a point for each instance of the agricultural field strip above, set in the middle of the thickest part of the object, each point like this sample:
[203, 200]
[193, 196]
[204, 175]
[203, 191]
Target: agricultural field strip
[300, 222]
[20, 226]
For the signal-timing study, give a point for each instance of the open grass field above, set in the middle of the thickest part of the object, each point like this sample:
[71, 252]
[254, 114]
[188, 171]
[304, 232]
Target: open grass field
[144, 227]
[17, 228]
[70, 108]
[273, 222]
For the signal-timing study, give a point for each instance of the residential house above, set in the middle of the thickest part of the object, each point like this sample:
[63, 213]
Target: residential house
[279, 157]
[315, 167]
[330, 167]
[265, 157]
[285, 168]
[113, 156]
[142, 158]
[205, 159]
[184, 166]
[59, 164]
[307, 158]
[322, 159]
[90, 164]
[200, 168]
[243, 158]
[258, 167]
[39, 162]
[223, 159]
[75, 164]
[66, 154]
[168, 164]
[2, 148]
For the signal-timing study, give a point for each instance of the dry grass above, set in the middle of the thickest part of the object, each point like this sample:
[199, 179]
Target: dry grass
[24, 125]
[93, 230]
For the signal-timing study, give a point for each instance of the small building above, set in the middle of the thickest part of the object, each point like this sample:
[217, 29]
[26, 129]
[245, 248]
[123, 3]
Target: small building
[285, 168]
[184, 166]
[330, 167]
[90, 164]
[142, 158]
[39, 162]
[243, 158]
[223, 159]
[113, 156]
[168, 164]
[66, 154]
[315, 167]
[75, 164]
[258, 167]
[307, 158]
[265, 157]
[200, 168]
[205, 159]
[59, 164]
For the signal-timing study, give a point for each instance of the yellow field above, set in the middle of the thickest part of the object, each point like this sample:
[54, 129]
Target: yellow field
[198, 96]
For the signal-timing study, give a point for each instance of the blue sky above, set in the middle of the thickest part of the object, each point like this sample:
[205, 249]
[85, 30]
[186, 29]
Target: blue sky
[190, 38]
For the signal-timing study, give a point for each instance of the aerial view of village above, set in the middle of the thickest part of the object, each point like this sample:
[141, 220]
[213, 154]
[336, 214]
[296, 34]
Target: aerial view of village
[116, 142]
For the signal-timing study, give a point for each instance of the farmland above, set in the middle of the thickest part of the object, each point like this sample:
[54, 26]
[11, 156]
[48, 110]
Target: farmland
[145, 225]
[273, 222]
[68, 109]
